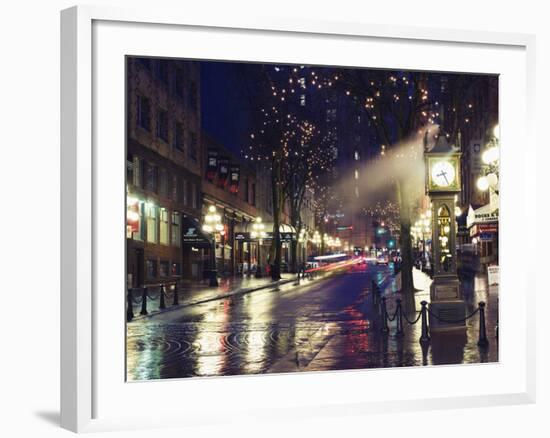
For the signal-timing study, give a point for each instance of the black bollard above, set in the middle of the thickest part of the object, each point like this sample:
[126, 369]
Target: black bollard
[144, 301]
[424, 337]
[399, 328]
[482, 342]
[176, 301]
[130, 306]
[425, 346]
[384, 320]
[162, 304]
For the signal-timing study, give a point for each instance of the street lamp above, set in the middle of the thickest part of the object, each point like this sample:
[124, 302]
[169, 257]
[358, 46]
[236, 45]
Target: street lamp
[258, 233]
[213, 225]
[490, 158]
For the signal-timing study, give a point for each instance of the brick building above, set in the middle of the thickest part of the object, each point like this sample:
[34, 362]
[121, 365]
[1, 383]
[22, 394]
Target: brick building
[232, 185]
[163, 182]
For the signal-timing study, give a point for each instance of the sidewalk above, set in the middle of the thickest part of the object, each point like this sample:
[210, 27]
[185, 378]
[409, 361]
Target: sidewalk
[358, 343]
[201, 292]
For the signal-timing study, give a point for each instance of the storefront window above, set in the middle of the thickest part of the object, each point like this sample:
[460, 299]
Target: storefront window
[151, 267]
[164, 268]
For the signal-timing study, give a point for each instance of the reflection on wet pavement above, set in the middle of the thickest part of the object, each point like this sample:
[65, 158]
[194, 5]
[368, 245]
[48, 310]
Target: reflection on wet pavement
[326, 325]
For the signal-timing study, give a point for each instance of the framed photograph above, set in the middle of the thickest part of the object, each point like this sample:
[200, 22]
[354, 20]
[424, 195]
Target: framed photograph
[266, 216]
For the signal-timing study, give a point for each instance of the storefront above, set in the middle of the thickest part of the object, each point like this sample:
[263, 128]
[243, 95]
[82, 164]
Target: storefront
[482, 224]
[287, 234]
[251, 252]
[254, 251]
[196, 248]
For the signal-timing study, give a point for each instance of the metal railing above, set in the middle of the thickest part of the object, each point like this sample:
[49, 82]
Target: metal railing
[161, 292]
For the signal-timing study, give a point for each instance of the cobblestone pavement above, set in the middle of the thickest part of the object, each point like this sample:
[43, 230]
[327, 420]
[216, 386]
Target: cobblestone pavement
[325, 325]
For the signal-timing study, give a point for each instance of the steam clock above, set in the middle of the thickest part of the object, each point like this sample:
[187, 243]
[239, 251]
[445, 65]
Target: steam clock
[443, 184]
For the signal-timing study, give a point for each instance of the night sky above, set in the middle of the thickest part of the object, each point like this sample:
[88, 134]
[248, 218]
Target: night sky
[225, 106]
[229, 103]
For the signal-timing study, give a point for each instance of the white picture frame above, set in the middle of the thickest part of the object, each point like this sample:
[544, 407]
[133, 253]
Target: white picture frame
[90, 401]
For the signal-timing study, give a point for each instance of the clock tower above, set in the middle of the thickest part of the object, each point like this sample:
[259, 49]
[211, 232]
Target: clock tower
[442, 185]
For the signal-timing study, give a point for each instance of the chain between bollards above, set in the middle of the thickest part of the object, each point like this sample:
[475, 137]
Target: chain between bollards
[425, 336]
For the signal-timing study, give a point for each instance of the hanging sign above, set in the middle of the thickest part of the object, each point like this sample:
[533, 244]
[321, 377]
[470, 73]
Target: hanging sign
[242, 236]
[211, 165]
[223, 171]
[234, 176]
[132, 215]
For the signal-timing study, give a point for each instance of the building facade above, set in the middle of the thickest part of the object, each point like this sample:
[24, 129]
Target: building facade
[163, 181]
[232, 185]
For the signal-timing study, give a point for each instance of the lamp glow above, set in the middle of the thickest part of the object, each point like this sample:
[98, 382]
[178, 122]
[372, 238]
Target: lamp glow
[482, 183]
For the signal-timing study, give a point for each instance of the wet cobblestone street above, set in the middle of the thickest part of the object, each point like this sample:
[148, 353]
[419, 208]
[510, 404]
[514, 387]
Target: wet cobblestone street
[329, 324]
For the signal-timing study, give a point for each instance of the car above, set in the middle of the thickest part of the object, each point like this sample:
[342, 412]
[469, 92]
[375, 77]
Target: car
[382, 260]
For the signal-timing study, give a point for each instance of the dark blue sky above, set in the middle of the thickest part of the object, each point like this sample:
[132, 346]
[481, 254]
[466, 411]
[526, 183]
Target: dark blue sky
[225, 107]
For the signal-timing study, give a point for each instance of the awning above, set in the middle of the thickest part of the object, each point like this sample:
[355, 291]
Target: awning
[242, 231]
[482, 215]
[192, 234]
[286, 232]
[247, 227]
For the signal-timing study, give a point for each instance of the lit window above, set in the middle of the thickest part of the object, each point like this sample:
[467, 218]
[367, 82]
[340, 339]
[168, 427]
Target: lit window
[152, 233]
[164, 226]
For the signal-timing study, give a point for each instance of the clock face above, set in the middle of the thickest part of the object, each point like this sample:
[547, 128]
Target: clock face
[443, 173]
